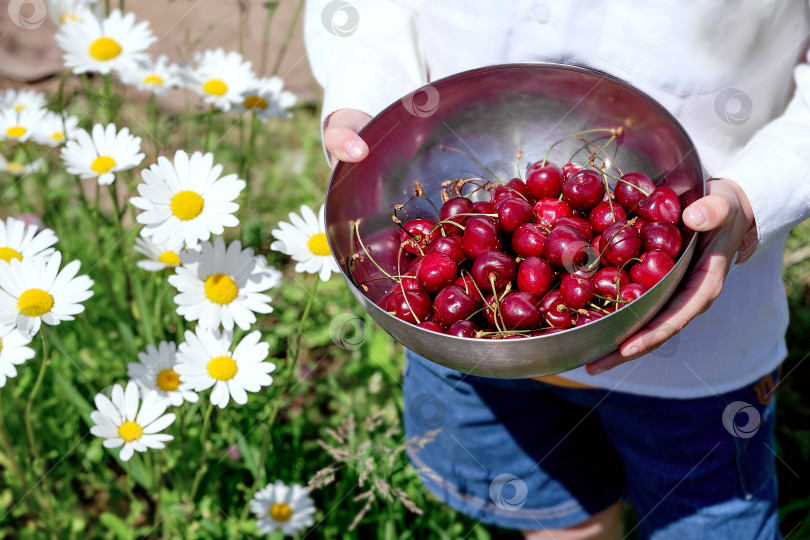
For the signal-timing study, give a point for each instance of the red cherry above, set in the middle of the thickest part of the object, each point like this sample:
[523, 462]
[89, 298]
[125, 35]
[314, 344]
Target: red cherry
[480, 235]
[513, 213]
[449, 245]
[619, 243]
[432, 326]
[589, 316]
[450, 212]
[632, 189]
[566, 248]
[653, 267]
[550, 210]
[493, 267]
[535, 275]
[417, 303]
[555, 311]
[610, 280]
[482, 207]
[584, 190]
[408, 282]
[577, 291]
[569, 169]
[632, 291]
[519, 186]
[468, 284]
[580, 223]
[453, 304]
[662, 235]
[528, 240]
[422, 231]
[501, 193]
[463, 328]
[436, 271]
[663, 204]
[544, 181]
[605, 214]
[521, 311]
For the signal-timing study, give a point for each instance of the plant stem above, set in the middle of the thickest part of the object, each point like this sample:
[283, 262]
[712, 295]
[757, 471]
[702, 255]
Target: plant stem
[288, 37]
[271, 9]
[208, 123]
[15, 464]
[204, 456]
[154, 122]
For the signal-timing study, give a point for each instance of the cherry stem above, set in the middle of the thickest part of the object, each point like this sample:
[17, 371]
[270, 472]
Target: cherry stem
[517, 163]
[599, 150]
[476, 161]
[356, 226]
[402, 287]
[419, 192]
[601, 252]
[596, 130]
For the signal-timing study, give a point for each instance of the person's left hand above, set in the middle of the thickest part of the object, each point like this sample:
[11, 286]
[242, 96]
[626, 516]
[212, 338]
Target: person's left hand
[726, 221]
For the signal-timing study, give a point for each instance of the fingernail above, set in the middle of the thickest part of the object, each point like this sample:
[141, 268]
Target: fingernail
[697, 214]
[596, 371]
[355, 149]
[632, 351]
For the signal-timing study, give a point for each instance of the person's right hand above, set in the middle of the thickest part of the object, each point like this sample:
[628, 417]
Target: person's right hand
[341, 139]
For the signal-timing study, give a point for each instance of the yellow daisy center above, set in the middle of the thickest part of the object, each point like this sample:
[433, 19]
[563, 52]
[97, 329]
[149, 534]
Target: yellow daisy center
[130, 431]
[168, 380]
[69, 17]
[16, 131]
[222, 368]
[169, 258]
[281, 512]
[7, 253]
[318, 245]
[104, 49]
[58, 136]
[103, 164]
[215, 87]
[15, 167]
[187, 205]
[255, 102]
[34, 303]
[221, 289]
[1, 345]
[19, 107]
[153, 78]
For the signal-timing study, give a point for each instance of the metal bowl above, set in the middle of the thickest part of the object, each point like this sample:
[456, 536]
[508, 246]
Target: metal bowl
[491, 113]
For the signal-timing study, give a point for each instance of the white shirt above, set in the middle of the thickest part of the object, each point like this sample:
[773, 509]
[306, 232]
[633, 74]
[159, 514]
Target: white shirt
[731, 71]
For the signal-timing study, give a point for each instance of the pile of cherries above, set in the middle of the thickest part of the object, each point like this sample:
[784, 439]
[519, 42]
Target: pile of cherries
[556, 251]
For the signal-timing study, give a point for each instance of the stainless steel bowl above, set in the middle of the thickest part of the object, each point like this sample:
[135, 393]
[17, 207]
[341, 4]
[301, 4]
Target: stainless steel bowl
[491, 113]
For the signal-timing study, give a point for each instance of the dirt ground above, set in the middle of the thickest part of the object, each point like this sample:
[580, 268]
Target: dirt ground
[30, 56]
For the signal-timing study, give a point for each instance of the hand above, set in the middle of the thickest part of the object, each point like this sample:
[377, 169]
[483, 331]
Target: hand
[341, 139]
[726, 221]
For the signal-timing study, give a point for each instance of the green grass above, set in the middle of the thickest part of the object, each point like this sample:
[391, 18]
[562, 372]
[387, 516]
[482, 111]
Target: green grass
[88, 493]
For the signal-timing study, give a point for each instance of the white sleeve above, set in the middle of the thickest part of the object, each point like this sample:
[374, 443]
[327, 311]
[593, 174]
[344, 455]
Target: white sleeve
[364, 53]
[773, 169]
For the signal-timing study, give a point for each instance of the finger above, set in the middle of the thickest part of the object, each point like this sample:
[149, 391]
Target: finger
[344, 144]
[707, 213]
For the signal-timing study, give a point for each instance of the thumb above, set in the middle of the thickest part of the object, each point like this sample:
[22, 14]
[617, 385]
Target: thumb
[345, 144]
[707, 213]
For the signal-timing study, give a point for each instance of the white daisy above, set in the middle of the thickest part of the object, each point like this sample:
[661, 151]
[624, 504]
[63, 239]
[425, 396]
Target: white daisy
[186, 199]
[20, 126]
[34, 290]
[219, 77]
[155, 373]
[17, 168]
[101, 45]
[53, 130]
[305, 241]
[20, 241]
[161, 256]
[103, 154]
[65, 11]
[205, 360]
[219, 287]
[278, 506]
[267, 99]
[22, 99]
[13, 352]
[155, 77]
[120, 422]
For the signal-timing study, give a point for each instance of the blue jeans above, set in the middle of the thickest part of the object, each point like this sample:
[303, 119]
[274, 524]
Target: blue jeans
[527, 455]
